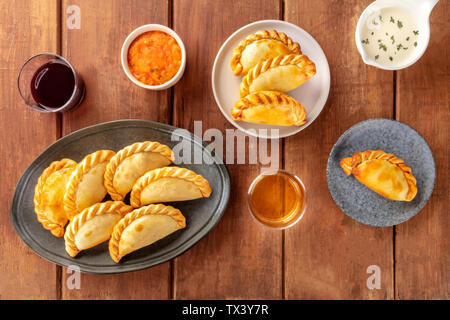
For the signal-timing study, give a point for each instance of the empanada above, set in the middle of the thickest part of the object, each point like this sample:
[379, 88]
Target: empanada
[49, 194]
[93, 225]
[86, 184]
[282, 73]
[259, 46]
[383, 173]
[269, 107]
[142, 227]
[168, 184]
[132, 162]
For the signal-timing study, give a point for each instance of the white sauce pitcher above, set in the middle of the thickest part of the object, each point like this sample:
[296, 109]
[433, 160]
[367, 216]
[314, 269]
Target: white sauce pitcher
[419, 10]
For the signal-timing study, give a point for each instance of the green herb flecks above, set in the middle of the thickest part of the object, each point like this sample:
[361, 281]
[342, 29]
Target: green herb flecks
[382, 46]
[415, 44]
[372, 33]
[365, 41]
[377, 56]
[399, 24]
[381, 18]
[393, 40]
[390, 58]
[399, 47]
[407, 39]
[392, 20]
[416, 32]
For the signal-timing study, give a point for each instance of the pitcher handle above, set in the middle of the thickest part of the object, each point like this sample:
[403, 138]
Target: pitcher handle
[426, 6]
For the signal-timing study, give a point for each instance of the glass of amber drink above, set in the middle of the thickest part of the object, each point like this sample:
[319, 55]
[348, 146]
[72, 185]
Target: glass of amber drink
[277, 199]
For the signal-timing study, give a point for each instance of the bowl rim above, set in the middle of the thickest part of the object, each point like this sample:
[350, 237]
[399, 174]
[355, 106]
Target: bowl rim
[137, 32]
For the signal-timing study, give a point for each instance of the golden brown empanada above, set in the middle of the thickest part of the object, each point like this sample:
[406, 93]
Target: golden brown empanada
[93, 225]
[49, 194]
[383, 173]
[281, 73]
[168, 184]
[142, 227]
[132, 162]
[269, 107]
[86, 184]
[259, 46]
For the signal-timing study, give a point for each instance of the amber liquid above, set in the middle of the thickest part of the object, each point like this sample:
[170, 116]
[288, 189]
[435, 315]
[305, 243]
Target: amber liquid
[277, 199]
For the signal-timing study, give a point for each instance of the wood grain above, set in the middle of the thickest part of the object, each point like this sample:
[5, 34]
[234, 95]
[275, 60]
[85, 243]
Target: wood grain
[327, 253]
[239, 258]
[95, 52]
[422, 244]
[25, 133]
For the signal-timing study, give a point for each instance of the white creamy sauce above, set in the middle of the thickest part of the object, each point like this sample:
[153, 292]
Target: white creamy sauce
[390, 36]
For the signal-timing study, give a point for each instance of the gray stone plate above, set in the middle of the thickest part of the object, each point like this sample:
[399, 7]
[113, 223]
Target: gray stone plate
[359, 202]
[201, 215]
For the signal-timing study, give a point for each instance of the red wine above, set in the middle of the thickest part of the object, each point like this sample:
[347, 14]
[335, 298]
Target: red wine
[52, 85]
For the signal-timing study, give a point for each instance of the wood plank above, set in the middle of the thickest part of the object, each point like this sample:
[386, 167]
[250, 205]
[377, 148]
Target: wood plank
[26, 28]
[422, 244]
[239, 258]
[95, 52]
[327, 253]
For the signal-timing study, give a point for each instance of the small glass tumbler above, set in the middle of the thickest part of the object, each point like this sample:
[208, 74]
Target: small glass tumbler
[50, 76]
[277, 199]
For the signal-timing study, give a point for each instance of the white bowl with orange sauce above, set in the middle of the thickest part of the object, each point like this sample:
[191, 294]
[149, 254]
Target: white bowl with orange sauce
[130, 41]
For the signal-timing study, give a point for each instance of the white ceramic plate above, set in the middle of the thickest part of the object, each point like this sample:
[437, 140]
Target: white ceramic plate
[312, 94]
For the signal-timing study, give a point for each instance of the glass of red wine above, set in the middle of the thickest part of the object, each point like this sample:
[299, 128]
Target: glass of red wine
[48, 83]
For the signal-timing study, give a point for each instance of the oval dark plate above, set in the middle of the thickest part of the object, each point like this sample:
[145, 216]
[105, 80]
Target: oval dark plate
[201, 215]
[359, 202]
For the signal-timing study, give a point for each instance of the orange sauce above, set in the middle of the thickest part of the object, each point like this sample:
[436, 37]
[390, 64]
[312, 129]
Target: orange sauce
[277, 199]
[154, 57]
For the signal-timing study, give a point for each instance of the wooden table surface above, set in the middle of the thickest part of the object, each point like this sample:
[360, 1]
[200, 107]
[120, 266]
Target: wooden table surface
[326, 255]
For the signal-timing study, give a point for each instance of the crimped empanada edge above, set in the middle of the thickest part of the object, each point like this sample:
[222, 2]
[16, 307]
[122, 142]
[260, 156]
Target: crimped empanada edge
[136, 214]
[55, 228]
[270, 98]
[174, 172]
[128, 151]
[359, 157]
[83, 167]
[87, 214]
[300, 60]
[235, 63]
